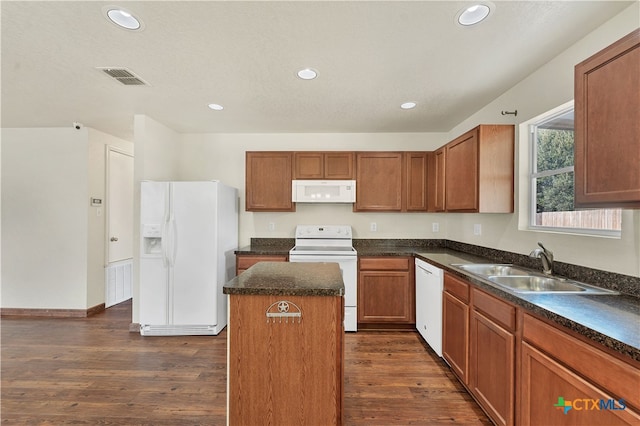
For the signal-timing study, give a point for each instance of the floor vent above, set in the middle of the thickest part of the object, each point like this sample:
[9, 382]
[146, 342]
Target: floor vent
[124, 76]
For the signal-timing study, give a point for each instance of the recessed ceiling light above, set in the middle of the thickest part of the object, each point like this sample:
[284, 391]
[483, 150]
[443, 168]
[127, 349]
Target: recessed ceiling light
[408, 105]
[474, 14]
[307, 74]
[122, 18]
[216, 107]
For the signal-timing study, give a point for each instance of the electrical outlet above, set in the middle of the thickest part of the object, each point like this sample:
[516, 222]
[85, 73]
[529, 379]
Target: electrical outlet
[374, 227]
[477, 229]
[272, 226]
[435, 227]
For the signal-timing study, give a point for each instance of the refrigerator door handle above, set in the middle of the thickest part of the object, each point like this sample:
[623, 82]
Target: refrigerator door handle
[173, 242]
[163, 244]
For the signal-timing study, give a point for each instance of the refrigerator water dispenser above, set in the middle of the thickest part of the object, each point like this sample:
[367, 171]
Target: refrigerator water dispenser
[152, 239]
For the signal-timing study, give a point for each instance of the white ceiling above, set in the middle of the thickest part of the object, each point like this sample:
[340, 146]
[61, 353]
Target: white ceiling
[371, 56]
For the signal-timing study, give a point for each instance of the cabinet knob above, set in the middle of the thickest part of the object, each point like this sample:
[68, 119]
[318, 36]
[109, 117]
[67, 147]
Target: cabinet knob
[114, 239]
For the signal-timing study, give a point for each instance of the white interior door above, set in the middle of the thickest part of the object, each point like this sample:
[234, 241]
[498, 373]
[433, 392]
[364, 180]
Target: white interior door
[119, 244]
[120, 205]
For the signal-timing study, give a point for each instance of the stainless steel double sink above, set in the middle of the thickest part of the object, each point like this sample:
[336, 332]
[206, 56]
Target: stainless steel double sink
[522, 280]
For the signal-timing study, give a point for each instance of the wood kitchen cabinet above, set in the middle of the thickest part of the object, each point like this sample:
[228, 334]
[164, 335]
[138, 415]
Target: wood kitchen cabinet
[492, 350]
[268, 181]
[436, 180]
[379, 181]
[391, 181]
[416, 175]
[455, 325]
[556, 365]
[386, 292]
[323, 165]
[245, 261]
[607, 126]
[479, 171]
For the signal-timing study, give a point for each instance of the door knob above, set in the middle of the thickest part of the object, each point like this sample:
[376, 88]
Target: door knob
[114, 239]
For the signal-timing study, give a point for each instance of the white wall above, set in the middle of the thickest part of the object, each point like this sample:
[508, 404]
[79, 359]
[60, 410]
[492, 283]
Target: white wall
[44, 218]
[54, 241]
[547, 88]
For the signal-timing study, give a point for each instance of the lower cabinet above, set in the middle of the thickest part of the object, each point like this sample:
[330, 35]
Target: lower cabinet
[564, 381]
[245, 261]
[522, 370]
[492, 352]
[455, 325]
[386, 292]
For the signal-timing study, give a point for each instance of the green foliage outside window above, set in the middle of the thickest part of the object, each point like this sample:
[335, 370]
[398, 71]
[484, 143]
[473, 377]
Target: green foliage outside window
[554, 151]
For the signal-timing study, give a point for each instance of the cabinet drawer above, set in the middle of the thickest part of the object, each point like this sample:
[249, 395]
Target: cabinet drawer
[244, 262]
[456, 287]
[610, 373]
[496, 309]
[384, 263]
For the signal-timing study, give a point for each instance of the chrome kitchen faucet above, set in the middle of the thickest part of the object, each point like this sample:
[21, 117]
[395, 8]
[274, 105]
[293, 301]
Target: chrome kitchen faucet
[546, 256]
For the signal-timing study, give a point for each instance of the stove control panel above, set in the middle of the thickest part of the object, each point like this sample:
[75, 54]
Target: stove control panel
[323, 231]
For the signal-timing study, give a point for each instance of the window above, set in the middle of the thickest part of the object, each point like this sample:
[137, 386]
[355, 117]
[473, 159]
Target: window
[552, 141]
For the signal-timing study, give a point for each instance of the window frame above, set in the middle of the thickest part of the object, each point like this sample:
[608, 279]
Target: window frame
[533, 175]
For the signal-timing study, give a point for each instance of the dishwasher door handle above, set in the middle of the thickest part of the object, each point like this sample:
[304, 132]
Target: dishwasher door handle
[425, 271]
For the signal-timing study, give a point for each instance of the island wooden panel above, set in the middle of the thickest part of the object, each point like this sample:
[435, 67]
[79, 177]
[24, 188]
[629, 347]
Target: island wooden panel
[285, 372]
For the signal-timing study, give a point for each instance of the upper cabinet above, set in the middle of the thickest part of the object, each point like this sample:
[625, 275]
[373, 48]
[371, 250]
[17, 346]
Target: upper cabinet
[416, 178]
[379, 181]
[436, 180]
[607, 126]
[478, 169]
[268, 181]
[323, 165]
[391, 181]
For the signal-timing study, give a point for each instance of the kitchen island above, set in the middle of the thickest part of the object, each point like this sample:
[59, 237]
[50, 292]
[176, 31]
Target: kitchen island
[285, 345]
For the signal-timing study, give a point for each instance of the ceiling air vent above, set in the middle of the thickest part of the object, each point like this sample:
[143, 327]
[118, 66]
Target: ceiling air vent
[124, 76]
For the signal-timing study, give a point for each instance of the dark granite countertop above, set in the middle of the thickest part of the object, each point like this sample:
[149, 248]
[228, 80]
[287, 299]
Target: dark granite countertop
[288, 279]
[267, 246]
[610, 320]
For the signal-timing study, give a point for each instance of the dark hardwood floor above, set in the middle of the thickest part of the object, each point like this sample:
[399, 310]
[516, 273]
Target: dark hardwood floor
[93, 371]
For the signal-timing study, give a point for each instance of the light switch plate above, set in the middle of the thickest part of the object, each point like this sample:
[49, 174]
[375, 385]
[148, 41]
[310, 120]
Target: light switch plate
[477, 229]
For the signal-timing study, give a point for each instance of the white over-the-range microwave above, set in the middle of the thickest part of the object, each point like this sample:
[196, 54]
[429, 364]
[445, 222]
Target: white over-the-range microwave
[323, 191]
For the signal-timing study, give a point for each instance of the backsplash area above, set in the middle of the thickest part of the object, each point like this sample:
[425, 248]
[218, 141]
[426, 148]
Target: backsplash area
[623, 283]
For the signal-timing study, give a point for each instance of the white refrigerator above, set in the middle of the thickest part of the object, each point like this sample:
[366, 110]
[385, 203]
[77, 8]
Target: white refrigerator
[189, 232]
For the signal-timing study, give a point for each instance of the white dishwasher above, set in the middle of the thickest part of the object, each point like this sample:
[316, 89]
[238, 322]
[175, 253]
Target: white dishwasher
[429, 286]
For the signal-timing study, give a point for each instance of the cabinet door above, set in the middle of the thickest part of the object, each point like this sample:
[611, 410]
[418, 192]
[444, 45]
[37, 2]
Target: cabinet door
[548, 388]
[416, 167]
[268, 181]
[323, 165]
[438, 179]
[492, 368]
[455, 335]
[461, 173]
[308, 165]
[385, 297]
[607, 126]
[379, 177]
[338, 165]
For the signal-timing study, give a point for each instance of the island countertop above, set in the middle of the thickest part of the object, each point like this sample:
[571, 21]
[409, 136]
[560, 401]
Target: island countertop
[286, 278]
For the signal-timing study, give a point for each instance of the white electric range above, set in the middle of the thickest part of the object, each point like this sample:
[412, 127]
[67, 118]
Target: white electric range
[331, 243]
